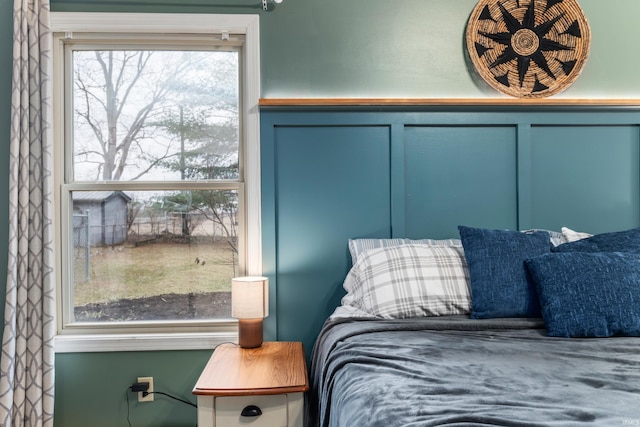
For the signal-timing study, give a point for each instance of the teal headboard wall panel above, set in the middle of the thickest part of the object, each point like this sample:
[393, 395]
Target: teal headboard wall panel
[585, 177]
[459, 175]
[330, 174]
[332, 182]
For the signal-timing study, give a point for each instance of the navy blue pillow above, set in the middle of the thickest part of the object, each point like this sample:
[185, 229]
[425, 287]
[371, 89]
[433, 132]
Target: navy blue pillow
[500, 285]
[588, 294]
[618, 241]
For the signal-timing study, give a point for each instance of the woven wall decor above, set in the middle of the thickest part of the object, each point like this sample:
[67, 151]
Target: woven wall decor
[528, 48]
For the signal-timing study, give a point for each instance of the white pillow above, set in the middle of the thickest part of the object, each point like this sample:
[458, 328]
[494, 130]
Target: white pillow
[573, 236]
[413, 280]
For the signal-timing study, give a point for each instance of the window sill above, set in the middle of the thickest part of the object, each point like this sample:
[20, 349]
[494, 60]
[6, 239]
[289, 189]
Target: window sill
[141, 342]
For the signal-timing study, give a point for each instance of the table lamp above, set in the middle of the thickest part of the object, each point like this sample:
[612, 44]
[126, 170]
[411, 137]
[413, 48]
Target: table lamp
[250, 304]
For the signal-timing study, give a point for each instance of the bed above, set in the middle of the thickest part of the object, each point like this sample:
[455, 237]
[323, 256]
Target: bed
[498, 328]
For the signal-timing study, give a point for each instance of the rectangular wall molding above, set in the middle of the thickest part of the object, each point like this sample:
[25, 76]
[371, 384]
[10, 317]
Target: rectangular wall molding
[334, 173]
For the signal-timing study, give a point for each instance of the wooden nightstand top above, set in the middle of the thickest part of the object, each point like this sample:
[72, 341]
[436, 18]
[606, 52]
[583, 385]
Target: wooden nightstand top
[273, 368]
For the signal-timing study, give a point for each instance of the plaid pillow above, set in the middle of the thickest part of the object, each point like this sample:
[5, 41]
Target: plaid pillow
[358, 246]
[412, 280]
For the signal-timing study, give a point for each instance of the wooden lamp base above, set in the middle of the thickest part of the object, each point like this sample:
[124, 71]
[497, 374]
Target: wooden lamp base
[250, 333]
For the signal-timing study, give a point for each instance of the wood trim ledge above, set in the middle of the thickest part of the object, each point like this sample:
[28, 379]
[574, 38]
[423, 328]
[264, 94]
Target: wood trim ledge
[400, 102]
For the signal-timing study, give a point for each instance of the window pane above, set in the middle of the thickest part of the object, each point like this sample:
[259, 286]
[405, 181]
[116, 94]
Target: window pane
[153, 255]
[155, 115]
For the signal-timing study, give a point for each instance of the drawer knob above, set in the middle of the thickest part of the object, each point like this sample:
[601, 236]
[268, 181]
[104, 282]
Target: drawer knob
[251, 411]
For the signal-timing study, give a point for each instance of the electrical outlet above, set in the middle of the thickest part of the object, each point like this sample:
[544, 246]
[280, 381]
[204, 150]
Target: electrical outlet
[148, 397]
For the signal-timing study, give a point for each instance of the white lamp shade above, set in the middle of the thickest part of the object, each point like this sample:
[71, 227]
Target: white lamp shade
[249, 297]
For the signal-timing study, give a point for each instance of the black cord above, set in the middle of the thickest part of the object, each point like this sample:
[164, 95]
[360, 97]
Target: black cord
[227, 342]
[145, 394]
[126, 392]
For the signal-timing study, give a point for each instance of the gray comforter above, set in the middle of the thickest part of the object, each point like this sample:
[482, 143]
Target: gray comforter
[460, 372]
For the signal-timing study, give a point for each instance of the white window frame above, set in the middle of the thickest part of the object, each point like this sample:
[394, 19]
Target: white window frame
[132, 336]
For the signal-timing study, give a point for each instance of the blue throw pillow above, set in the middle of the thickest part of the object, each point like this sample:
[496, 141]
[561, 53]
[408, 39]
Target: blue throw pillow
[618, 241]
[500, 285]
[588, 294]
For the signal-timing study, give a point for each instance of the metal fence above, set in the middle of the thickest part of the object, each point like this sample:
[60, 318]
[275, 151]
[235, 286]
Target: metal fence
[81, 241]
[145, 228]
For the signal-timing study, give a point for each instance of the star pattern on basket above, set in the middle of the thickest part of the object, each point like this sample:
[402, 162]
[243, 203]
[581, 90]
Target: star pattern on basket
[528, 48]
[526, 42]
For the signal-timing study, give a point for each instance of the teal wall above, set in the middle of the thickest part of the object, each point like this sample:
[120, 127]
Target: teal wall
[399, 48]
[310, 48]
[414, 48]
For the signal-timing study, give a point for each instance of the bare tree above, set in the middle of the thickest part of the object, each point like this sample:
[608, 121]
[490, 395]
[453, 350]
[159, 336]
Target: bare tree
[206, 125]
[138, 111]
[116, 94]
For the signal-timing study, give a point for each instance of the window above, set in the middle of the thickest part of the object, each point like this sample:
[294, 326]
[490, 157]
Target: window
[157, 177]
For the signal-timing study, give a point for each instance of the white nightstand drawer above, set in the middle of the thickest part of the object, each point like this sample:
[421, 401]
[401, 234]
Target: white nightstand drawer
[273, 407]
[272, 377]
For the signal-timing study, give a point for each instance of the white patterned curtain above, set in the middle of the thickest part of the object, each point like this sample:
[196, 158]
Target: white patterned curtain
[27, 360]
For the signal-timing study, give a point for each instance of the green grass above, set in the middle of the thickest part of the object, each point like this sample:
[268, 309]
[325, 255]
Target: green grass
[153, 269]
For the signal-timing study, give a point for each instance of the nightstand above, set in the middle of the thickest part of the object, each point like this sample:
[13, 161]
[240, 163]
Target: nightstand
[253, 387]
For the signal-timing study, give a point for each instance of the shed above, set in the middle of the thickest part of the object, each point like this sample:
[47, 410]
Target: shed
[100, 215]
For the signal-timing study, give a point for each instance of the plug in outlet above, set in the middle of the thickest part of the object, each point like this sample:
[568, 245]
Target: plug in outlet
[148, 397]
